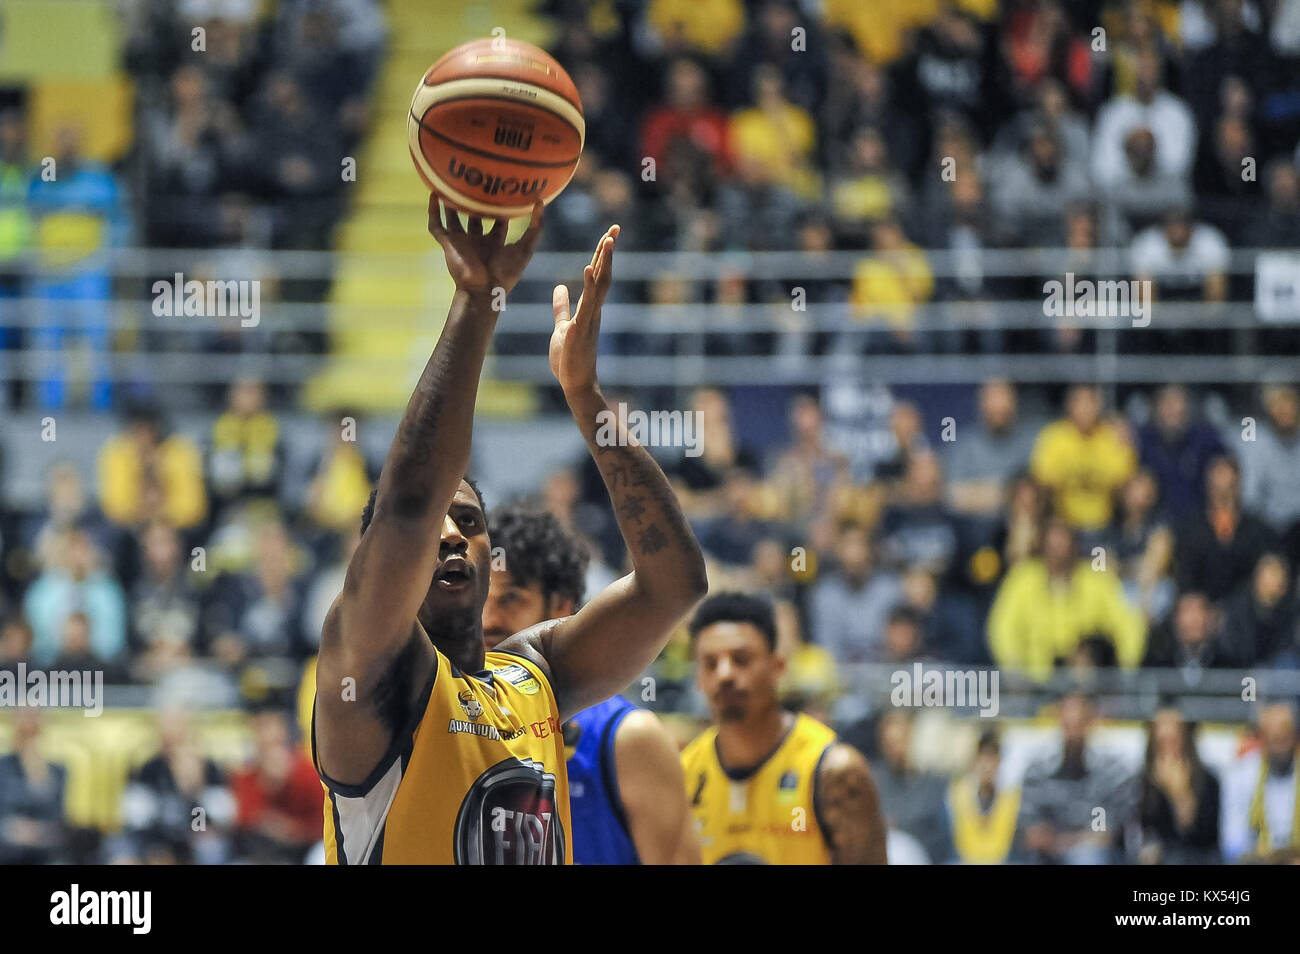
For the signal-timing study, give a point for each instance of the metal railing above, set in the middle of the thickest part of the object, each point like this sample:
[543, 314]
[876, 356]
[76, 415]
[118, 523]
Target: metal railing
[1229, 696]
[953, 341]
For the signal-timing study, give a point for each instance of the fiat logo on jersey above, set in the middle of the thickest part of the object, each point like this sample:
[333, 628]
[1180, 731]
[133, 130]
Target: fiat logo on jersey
[473, 708]
[510, 817]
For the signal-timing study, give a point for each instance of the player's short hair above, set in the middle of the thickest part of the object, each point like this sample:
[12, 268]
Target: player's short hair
[732, 607]
[538, 550]
[368, 513]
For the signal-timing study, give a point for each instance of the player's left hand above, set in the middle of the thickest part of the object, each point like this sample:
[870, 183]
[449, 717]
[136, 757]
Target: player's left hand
[573, 342]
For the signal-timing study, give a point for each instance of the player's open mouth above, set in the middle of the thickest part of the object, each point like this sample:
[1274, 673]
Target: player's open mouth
[454, 574]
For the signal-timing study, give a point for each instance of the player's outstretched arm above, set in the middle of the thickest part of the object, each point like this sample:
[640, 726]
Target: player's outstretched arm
[849, 808]
[653, 792]
[595, 653]
[373, 620]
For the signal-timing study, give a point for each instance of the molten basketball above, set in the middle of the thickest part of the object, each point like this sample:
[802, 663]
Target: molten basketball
[495, 124]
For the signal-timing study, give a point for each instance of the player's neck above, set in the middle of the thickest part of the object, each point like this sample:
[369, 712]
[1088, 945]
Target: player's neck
[745, 745]
[459, 637]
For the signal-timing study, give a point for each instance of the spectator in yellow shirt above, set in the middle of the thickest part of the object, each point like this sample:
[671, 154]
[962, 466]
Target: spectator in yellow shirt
[1047, 604]
[1083, 460]
[707, 26]
[866, 190]
[983, 812]
[247, 452]
[143, 474]
[777, 135]
[880, 28]
[340, 480]
[891, 283]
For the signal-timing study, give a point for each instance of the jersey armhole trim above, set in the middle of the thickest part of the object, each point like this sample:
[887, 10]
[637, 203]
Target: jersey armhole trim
[609, 770]
[403, 740]
[817, 795]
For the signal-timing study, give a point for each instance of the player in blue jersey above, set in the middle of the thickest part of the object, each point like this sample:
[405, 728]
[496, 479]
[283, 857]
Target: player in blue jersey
[626, 789]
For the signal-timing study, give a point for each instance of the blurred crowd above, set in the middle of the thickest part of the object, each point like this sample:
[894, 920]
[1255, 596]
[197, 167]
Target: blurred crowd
[1088, 537]
[1079, 801]
[1052, 547]
[1047, 531]
[923, 133]
[243, 144]
[244, 114]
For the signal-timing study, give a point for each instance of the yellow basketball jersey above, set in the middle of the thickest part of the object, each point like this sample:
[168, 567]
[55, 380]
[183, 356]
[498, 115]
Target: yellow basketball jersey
[769, 816]
[478, 779]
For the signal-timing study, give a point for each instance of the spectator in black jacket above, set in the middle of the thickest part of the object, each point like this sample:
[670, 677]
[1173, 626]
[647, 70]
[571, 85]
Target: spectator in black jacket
[913, 801]
[1218, 548]
[176, 806]
[32, 829]
[1178, 450]
[1260, 619]
[1179, 808]
[1193, 639]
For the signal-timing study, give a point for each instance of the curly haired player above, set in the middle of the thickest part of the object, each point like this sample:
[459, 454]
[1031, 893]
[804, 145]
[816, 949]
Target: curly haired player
[431, 748]
[625, 782]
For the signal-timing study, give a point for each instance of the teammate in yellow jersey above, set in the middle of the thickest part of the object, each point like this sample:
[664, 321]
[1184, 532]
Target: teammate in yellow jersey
[768, 786]
[431, 749]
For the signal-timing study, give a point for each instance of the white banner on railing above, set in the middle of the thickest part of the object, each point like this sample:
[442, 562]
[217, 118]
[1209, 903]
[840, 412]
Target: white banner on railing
[1277, 287]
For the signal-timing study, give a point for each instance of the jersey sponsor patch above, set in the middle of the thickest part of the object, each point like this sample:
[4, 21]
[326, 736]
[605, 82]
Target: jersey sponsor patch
[510, 817]
[788, 786]
[520, 678]
[473, 708]
[486, 731]
[460, 725]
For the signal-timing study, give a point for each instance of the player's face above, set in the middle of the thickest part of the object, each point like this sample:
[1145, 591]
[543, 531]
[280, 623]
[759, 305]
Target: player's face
[736, 671]
[460, 580]
[512, 607]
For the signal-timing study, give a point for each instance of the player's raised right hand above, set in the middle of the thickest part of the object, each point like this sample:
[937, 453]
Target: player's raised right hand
[481, 262]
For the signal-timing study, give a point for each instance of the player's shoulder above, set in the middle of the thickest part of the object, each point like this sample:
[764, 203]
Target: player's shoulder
[808, 731]
[642, 744]
[638, 727]
[840, 758]
[531, 645]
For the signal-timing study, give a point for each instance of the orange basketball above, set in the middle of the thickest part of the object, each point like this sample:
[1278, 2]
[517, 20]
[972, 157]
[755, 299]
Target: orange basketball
[494, 124]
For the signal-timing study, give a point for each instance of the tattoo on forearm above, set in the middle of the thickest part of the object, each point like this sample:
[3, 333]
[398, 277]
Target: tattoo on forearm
[416, 436]
[633, 508]
[654, 511]
[651, 540]
[617, 477]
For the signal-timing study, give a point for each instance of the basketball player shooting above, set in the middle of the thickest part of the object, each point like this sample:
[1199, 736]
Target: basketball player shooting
[431, 749]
